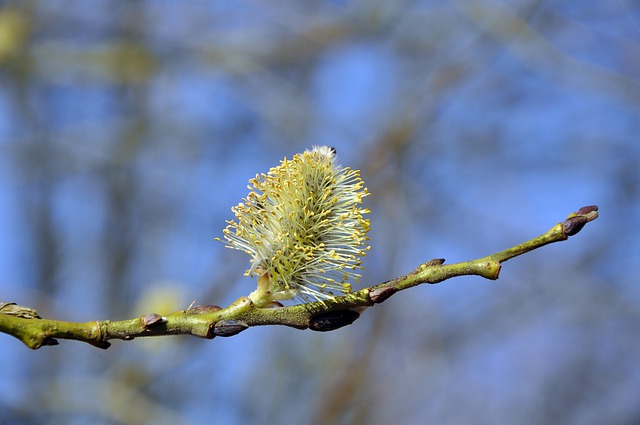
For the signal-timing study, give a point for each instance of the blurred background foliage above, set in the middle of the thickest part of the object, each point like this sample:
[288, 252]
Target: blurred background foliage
[128, 130]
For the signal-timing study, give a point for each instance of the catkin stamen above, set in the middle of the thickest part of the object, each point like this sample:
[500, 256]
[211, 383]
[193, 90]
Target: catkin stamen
[304, 227]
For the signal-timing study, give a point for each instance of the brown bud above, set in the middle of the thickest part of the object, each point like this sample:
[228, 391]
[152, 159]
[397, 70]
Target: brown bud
[574, 224]
[229, 327]
[203, 309]
[151, 319]
[587, 210]
[434, 262]
[332, 320]
[379, 295]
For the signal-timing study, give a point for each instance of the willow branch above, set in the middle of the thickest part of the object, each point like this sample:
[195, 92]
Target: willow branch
[210, 321]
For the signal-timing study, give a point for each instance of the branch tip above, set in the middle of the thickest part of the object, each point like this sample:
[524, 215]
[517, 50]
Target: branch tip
[588, 210]
[576, 221]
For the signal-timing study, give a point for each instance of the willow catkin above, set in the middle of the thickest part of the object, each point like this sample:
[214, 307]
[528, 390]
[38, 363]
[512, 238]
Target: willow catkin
[303, 225]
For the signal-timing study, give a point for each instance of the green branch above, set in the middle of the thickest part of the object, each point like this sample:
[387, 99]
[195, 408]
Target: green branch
[211, 321]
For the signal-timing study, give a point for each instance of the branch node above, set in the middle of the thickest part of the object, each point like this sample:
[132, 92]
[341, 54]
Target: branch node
[103, 333]
[492, 270]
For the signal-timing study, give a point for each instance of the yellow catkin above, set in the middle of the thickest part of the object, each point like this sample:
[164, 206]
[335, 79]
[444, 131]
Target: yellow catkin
[303, 225]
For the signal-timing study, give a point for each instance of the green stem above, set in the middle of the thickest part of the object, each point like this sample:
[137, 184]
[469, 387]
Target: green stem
[210, 321]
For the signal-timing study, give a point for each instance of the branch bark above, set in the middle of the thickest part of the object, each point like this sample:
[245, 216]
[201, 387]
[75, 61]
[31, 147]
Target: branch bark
[210, 321]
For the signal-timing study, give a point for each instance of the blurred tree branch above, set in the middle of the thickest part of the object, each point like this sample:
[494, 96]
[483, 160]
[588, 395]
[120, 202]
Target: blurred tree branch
[531, 47]
[210, 321]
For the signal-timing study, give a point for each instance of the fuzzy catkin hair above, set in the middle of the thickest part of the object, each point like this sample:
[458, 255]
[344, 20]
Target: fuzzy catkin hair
[303, 225]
